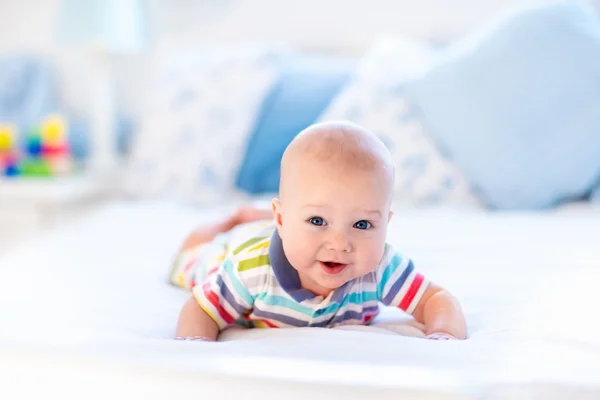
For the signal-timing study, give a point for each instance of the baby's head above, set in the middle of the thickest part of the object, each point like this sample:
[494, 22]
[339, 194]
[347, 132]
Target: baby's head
[334, 204]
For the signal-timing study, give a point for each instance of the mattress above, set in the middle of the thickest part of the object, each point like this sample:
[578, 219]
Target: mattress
[87, 310]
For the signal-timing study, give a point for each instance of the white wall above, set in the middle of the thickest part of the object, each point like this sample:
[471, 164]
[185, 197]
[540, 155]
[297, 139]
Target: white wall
[340, 24]
[345, 26]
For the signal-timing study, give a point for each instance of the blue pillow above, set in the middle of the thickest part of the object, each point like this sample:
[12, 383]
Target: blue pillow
[517, 105]
[306, 86]
[595, 196]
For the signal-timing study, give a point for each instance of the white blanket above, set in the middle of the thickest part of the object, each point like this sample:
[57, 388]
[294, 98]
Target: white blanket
[89, 305]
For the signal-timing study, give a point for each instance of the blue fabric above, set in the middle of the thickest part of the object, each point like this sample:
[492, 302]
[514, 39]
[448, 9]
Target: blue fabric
[306, 86]
[517, 105]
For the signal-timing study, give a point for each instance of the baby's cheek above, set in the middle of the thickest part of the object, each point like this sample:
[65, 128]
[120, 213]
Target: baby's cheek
[367, 262]
[298, 252]
[372, 258]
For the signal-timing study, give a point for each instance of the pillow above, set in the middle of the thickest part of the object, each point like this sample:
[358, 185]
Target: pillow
[516, 105]
[595, 197]
[376, 100]
[193, 131]
[305, 88]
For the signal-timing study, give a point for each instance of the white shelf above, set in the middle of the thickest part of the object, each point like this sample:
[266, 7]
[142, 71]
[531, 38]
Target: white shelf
[53, 190]
[29, 206]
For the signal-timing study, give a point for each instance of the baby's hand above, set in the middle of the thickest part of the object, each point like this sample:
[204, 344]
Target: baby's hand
[440, 336]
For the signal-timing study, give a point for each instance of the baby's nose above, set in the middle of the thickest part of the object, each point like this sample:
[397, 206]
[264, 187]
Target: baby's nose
[339, 241]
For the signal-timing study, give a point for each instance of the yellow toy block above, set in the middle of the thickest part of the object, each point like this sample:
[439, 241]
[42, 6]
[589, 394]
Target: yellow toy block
[7, 137]
[54, 132]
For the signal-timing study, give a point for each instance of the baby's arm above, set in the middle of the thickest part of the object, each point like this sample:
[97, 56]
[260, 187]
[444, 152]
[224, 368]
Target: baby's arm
[194, 322]
[401, 285]
[440, 312]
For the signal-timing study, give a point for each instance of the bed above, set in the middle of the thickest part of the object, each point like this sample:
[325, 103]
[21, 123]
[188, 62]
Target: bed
[87, 311]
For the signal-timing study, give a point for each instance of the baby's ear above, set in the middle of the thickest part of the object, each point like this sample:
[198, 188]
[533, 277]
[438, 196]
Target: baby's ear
[390, 215]
[276, 208]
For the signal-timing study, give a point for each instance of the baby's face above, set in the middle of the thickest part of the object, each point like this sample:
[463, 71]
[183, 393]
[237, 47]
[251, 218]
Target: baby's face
[333, 225]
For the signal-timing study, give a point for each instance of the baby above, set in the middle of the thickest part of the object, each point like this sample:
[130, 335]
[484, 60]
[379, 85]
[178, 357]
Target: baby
[319, 258]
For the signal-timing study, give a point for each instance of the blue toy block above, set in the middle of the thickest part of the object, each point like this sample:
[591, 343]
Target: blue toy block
[11, 170]
[34, 147]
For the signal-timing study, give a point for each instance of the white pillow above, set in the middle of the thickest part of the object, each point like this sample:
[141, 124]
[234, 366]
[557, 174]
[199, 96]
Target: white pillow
[374, 99]
[196, 123]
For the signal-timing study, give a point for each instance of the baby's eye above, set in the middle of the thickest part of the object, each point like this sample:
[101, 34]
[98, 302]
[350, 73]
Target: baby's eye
[362, 224]
[318, 221]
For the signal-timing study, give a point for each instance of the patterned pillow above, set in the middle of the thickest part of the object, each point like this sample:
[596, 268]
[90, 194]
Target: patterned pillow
[375, 99]
[197, 121]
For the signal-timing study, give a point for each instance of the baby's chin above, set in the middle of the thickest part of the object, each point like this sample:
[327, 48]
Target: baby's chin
[325, 284]
[330, 286]
[334, 282]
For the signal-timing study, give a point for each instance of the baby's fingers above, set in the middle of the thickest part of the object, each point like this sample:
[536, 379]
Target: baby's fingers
[440, 336]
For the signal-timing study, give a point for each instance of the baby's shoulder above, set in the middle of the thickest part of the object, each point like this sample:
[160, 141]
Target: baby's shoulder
[391, 257]
[250, 239]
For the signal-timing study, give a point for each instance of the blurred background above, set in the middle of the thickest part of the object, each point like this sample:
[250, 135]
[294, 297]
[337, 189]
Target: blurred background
[490, 104]
[35, 28]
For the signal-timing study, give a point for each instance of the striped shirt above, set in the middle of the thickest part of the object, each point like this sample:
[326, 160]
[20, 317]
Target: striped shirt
[256, 285]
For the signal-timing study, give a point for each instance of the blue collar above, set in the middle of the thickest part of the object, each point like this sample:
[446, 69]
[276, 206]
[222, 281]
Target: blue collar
[287, 276]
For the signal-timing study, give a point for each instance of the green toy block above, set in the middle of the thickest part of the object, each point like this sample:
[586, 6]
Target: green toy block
[34, 167]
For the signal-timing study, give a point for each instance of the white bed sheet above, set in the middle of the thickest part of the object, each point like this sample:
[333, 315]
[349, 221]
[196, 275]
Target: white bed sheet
[89, 306]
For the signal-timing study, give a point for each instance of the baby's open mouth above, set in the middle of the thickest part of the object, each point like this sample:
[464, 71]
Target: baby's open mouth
[332, 267]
